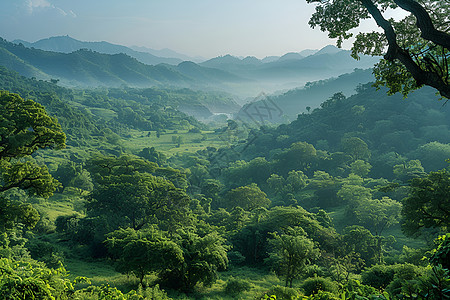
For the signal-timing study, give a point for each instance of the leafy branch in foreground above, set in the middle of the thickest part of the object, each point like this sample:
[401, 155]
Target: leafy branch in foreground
[416, 49]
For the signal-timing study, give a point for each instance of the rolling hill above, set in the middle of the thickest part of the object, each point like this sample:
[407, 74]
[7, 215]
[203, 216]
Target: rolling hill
[293, 102]
[89, 68]
[67, 44]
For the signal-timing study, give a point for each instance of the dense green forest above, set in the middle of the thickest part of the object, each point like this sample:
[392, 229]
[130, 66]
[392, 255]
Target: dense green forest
[116, 193]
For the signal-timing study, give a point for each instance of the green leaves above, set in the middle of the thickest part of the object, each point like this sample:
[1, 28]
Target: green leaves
[36, 180]
[247, 197]
[15, 212]
[31, 280]
[428, 203]
[141, 252]
[337, 17]
[415, 49]
[291, 253]
[128, 195]
[26, 127]
[183, 260]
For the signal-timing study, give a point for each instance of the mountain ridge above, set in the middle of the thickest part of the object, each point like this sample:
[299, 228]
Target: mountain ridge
[67, 44]
[89, 68]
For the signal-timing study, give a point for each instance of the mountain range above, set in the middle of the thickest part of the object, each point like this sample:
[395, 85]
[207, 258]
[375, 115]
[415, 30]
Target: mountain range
[327, 62]
[89, 68]
[67, 44]
[77, 63]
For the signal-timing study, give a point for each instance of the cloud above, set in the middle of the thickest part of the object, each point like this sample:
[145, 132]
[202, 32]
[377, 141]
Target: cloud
[34, 5]
[38, 6]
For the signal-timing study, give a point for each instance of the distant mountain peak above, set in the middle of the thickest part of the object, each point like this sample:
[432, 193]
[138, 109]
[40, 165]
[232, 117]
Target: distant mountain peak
[67, 44]
[329, 49]
[290, 56]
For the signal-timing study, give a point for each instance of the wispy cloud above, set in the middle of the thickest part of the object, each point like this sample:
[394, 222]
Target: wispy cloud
[36, 6]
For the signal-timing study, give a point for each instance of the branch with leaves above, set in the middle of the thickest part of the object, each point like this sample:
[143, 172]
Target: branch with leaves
[416, 49]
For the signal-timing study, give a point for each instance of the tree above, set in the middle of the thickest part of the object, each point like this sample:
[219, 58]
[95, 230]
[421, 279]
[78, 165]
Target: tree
[408, 170]
[354, 194]
[73, 175]
[291, 253]
[355, 147]
[299, 156]
[202, 258]
[151, 154]
[360, 167]
[275, 183]
[296, 180]
[357, 239]
[247, 197]
[141, 252]
[127, 194]
[26, 127]
[416, 49]
[377, 214]
[428, 203]
[433, 155]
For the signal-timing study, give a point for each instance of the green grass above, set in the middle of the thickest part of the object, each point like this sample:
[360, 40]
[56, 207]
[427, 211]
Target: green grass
[99, 273]
[58, 205]
[102, 272]
[260, 280]
[106, 114]
[192, 142]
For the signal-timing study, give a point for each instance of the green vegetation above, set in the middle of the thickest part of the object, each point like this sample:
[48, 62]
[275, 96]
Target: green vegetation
[146, 202]
[415, 48]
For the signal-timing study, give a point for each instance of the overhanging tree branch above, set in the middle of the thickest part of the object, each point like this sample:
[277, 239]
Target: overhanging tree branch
[396, 52]
[424, 23]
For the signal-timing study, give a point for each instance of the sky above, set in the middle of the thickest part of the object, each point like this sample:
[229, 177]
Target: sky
[206, 28]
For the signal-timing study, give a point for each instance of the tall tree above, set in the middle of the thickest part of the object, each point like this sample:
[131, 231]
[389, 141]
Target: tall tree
[416, 49]
[25, 127]
[292, 252]
[142, 251]
[126, 194]
[428, 204]
[247, 197]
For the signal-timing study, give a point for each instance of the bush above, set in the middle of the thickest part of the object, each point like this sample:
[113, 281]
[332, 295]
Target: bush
[321, 295]
[235, 286]
[194, 130]
[284, 293]
[378, 276]
[354, 289]
[32, 280]
[313, 285]
[236, 258]
[405, 278]
[45, 252]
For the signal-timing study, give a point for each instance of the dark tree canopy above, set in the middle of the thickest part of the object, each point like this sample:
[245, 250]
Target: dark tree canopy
[416, 49]
[26, 127]
[127, 194]
[428, 204]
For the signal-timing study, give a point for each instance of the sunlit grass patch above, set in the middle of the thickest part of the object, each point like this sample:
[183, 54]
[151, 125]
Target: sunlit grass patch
[191, 142]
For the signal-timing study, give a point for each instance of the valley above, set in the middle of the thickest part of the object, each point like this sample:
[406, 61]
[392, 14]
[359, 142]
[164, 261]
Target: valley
[132, 173]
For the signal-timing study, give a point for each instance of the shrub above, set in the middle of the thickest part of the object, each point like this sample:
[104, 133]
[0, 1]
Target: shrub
[321, 295]
[284, 293]
[378, 276]
[312, 285]
[235, 286]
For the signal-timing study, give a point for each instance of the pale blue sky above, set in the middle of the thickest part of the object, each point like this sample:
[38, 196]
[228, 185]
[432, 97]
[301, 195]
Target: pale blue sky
[195, 27]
